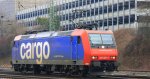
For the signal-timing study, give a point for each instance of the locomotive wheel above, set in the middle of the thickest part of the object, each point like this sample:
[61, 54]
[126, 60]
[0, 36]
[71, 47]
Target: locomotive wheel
[16, 67]
[68, 71]
[85, 71]
[36, 69]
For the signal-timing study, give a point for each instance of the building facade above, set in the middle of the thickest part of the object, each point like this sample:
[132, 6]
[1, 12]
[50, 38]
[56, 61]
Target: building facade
[112, 14]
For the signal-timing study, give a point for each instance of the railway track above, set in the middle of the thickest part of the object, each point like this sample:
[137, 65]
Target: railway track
[124, 74]
[9, 73]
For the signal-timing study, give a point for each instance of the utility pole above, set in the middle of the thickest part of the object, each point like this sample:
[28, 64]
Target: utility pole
[51, 14]
[54, 22]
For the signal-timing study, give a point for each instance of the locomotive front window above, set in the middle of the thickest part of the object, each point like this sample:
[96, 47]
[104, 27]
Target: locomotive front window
[95, 40]
[98, 40]
[107, 38]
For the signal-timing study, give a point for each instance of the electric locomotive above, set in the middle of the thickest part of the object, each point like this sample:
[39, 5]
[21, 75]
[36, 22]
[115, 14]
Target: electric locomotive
[78, 51]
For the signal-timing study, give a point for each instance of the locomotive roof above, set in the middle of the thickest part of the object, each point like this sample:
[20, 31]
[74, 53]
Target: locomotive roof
[61, 33]
[43, 34]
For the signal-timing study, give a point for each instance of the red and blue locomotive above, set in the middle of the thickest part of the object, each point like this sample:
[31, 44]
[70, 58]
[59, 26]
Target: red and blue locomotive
[77, 51]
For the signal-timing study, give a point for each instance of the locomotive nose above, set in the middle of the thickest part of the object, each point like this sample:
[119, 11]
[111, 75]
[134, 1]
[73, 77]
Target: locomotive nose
[104, 55]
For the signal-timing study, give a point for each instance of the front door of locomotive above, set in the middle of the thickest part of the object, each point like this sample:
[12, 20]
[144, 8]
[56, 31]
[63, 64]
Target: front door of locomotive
[76, 41]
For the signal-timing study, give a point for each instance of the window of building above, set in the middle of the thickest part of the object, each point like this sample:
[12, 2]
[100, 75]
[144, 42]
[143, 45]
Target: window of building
[132, 3]
[109, 8]
[110, 22]
[77, 15]
[33, 13]
[80, 2]
[41, 12]
[88, 2]
[84, 2]
[88, 13]
[132, 18]
[73, 4]
[126, 19]
[121, 20]
[63, 7]
[105, 9]
[66, 6]
[92, 1]
[70, 5]
[38, 12]
[73, 15]
[19, 17]
[64, 17]
[96, 1]
[100, 10]
[84, 14]
[115, 21]
[70, 16]
[126, 5]
[77, 5]
[23, 16]
[96, 11]
[67, 17]
[28, 15]
[105, 22]
[120, 6]
[114, 7]
[100, 22]
[92, 12]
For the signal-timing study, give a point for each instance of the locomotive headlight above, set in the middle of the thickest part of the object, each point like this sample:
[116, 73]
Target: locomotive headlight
[94, 57]
[113, 57]
[103, 47]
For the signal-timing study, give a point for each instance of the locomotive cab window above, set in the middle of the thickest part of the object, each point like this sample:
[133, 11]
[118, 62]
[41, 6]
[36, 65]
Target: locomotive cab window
[98, 40]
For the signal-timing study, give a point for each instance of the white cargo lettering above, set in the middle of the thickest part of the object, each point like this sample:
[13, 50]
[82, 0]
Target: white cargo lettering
[39, 52]
[46, 56]
[21, 50]
[28, 52]
[39, 49]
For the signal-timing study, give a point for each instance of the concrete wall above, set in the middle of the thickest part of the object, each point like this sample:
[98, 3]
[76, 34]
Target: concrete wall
[7, 9]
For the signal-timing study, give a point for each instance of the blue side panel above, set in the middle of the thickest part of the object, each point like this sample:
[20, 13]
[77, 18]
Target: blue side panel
[80, 52]
[77, 49]
[74, 48]
[61, 48]
[50, 48]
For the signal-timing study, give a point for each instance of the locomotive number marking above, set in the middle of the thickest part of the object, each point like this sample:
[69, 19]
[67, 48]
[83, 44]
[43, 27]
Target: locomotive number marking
[37, 50]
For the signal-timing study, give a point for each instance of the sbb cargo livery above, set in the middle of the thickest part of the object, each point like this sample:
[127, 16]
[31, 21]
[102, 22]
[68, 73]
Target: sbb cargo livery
[41, 50]
[71, 52]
